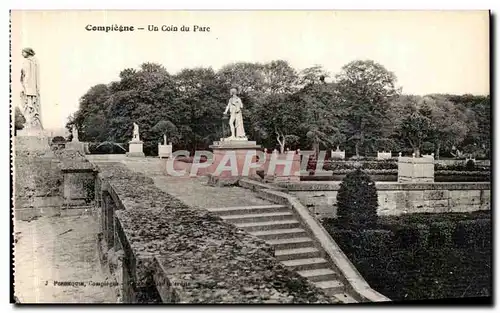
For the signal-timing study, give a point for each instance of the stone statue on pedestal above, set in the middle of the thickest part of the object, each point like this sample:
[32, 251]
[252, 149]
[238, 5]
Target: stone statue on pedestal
[30, 93]
[164, 139]
[135, 135]
[235, 106]
[75, 134]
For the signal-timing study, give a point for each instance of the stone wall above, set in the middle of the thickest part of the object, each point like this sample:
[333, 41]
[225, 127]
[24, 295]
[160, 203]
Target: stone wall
[175, 253]
[397, 199]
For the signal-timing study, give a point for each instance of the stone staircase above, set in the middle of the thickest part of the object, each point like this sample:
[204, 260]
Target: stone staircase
[277, 225]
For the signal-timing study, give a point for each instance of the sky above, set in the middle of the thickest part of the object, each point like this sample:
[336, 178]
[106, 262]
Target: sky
[429, 51]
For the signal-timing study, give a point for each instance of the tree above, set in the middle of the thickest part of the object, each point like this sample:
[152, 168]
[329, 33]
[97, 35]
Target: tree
[416, 129]
[200, 103]
[246, 76]
[167, 128]
[478, 112]
[19, 119]
[91, 119]
[357, 201]
[278, 118]
[321, 122]
[312, 75]
[450, 124]
[279, 77]
[365, 90]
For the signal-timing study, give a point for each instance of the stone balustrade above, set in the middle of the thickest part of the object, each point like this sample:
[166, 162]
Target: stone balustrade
[175, 253]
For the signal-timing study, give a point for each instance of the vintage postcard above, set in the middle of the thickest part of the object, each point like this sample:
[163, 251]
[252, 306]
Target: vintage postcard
[305, 157]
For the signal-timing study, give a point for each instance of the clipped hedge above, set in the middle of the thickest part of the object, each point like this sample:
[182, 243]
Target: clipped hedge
[365, 165]
[357, 200]
[422, 256]
[461, 167]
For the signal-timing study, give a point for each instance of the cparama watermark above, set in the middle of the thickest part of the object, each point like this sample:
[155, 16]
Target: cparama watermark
[243, 164]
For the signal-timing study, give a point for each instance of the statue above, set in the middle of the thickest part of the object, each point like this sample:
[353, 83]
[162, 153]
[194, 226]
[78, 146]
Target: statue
[30, 94]
[235, 106]
[75, 134]
[164, 139]
[135, 135]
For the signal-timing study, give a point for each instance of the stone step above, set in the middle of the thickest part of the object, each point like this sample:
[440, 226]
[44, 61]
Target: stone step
[279, 233]
[344, 298]
[298, 253]
[259, 217]
[291, 243]
[319, 274]
[250, 209]
[330, 286]
[268, 225]
[305, 264]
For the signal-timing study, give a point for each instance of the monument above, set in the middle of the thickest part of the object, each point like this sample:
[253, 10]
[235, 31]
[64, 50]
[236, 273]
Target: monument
[74, 132]
[338, 154]
[235, 107]
[384, 155]
[164, 150]
[416, 170]
[75, 143]
[234, 148]
[32, 136]
[135, 145]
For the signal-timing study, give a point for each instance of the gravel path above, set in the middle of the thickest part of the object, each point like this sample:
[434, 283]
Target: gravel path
[55, 250]
[196, 192]
[193, 191]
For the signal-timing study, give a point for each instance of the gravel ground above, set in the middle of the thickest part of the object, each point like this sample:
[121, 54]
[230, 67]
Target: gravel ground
[53, 251]
[196, 192]
[193, 191]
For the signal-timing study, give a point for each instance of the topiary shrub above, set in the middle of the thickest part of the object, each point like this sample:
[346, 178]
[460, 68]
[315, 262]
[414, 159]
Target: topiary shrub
[470, 165]
[357, 201]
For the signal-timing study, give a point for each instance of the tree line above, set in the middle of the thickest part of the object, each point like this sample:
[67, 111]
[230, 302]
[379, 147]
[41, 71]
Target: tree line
[361, 110]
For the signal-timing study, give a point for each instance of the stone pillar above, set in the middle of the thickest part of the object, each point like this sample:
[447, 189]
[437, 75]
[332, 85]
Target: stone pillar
[384, 155]
[337, 154]
[135, 149]
[79, 184]
[75, 145]
[31, 140]
[234, 154]
[164, 151]
[416, 170]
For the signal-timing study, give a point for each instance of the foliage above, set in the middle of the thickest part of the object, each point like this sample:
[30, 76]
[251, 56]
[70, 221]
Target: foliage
[167, 128]
[460, 167]
[278, 119]
[450, 127]
[19, 119]
[361, 110]
[416, 129]
[422, 256]
[365, 90]
[357, 200]
[365, 165]
[321, 122]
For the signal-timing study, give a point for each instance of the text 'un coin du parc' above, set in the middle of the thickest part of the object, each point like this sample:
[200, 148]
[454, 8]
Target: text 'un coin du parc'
[151, 28]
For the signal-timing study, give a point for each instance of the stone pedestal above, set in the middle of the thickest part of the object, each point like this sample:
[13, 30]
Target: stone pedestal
[384, 155]
[31, 140]
[337, 154]
[79, 184]
[76, 145]
[135, 149]
[164, 151]
[283, 167]
[225, 154]
[415, 170]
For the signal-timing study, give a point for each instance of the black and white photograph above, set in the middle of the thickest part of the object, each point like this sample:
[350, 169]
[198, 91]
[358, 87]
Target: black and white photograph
[251, 157]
